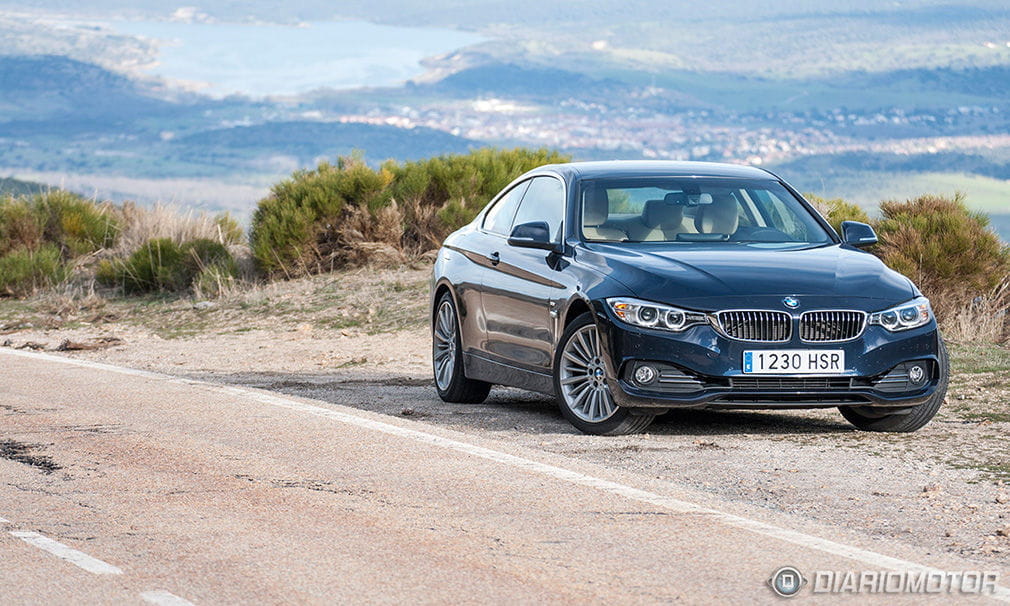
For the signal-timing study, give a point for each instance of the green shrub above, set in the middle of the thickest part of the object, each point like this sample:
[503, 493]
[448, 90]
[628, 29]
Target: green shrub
[295, 230]
[77, 225]
[314, 220]
[156, 266]
[213, 282]
[229, 229]
[24, 271]
[161, 265]
[203, 255]
[947, 249]
[439, 195]
[42, 233]
[21, 227]
[837, 210]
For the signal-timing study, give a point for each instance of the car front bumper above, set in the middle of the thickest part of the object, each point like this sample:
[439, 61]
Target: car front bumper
[713, 363]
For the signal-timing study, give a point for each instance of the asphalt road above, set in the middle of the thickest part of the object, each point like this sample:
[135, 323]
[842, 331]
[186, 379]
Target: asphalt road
[121, 486]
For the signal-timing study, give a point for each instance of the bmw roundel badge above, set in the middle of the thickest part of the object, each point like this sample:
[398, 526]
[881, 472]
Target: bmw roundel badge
[791, 302]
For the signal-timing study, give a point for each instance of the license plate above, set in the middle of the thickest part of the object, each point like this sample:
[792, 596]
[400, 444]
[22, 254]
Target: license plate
[794, 362]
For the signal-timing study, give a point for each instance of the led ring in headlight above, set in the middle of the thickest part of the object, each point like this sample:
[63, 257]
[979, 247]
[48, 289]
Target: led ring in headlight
[654, 315]
[910, 315]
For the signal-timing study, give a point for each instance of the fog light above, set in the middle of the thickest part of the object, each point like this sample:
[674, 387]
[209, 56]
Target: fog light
[917, 374]
[645, 375]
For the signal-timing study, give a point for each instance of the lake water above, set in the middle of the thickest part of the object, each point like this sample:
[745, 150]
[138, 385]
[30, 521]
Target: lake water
[263, 60]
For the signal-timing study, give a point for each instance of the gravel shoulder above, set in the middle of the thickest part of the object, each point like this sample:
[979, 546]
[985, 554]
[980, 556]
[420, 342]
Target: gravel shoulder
[359, 339]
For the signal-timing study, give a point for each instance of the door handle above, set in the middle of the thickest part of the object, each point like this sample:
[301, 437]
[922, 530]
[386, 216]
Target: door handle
[495, 258]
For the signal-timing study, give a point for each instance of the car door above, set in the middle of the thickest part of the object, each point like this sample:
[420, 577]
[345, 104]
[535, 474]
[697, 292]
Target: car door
[477, 247]
[521, 289]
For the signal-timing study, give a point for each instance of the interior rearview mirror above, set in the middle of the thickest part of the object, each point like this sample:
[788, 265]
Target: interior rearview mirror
[858, 234]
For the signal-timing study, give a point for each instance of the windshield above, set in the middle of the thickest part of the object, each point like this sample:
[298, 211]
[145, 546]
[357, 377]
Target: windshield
[679, 209]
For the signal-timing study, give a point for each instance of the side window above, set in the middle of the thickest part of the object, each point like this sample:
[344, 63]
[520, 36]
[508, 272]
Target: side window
[499, 218]
[544, 201]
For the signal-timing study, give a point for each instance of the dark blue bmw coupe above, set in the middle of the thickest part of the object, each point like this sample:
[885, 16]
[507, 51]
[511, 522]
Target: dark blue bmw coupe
[625, 289]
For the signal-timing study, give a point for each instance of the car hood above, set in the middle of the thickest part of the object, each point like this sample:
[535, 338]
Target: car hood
[742, 275]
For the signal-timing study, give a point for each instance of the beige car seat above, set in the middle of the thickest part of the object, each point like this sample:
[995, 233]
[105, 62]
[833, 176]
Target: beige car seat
[722, 216]
[665, 218]
[595, 211]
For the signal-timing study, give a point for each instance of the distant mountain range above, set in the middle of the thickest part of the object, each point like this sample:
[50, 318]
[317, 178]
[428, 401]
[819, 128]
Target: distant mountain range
[843, 100]
[309, 141]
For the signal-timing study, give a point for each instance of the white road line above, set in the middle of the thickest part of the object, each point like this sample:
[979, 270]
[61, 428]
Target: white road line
[870, 558]
[77, 558]
[164, 598]
[4, 521]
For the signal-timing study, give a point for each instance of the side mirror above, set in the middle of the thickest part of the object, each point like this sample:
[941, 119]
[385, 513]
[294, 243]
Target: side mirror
[535, 234]
[858, 234]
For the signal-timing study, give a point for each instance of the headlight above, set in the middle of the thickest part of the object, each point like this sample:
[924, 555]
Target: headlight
[913, 314]
[655, 315]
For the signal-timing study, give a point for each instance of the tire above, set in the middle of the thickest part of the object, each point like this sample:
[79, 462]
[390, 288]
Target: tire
[870, 419]
[582, 393]
[447, 357]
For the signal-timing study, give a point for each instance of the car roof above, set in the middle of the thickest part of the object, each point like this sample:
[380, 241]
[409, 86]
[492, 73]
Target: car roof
[655, 168]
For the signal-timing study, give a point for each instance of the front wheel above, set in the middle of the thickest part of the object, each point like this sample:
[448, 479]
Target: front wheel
[870, 419]
[581, 387]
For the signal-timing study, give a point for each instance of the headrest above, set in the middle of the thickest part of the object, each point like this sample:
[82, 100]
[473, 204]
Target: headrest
[720, 217]
[596, 207]
[662, 213]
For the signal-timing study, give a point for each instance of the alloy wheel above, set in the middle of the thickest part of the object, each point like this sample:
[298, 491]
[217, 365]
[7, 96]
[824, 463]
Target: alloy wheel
[444, 353]
[583, 377]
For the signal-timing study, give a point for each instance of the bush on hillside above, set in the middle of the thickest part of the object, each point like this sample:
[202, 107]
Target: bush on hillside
[837, 210]
[161, 265]
[76, 225]
[24, 271]
[41, 234]
[302, 225]
[210, 267]
[229, 230]
[20, 226]
[439, 195]
[318, 219]
[947, 249]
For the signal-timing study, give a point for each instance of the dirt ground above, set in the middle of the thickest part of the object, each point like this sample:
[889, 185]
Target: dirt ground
[359, 339]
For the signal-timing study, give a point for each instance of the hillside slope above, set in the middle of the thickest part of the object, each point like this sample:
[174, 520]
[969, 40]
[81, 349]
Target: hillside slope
[44, 87]
[16, 187]
[310, 140]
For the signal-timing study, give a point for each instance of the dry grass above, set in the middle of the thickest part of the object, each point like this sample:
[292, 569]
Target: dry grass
[371, 300]
[72, 302]
[142, 223]
[984, 319]
[360, 301]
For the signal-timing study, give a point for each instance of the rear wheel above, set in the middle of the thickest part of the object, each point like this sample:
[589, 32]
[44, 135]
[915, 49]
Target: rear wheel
[878, 419]
[580, 384]
[447, 358]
